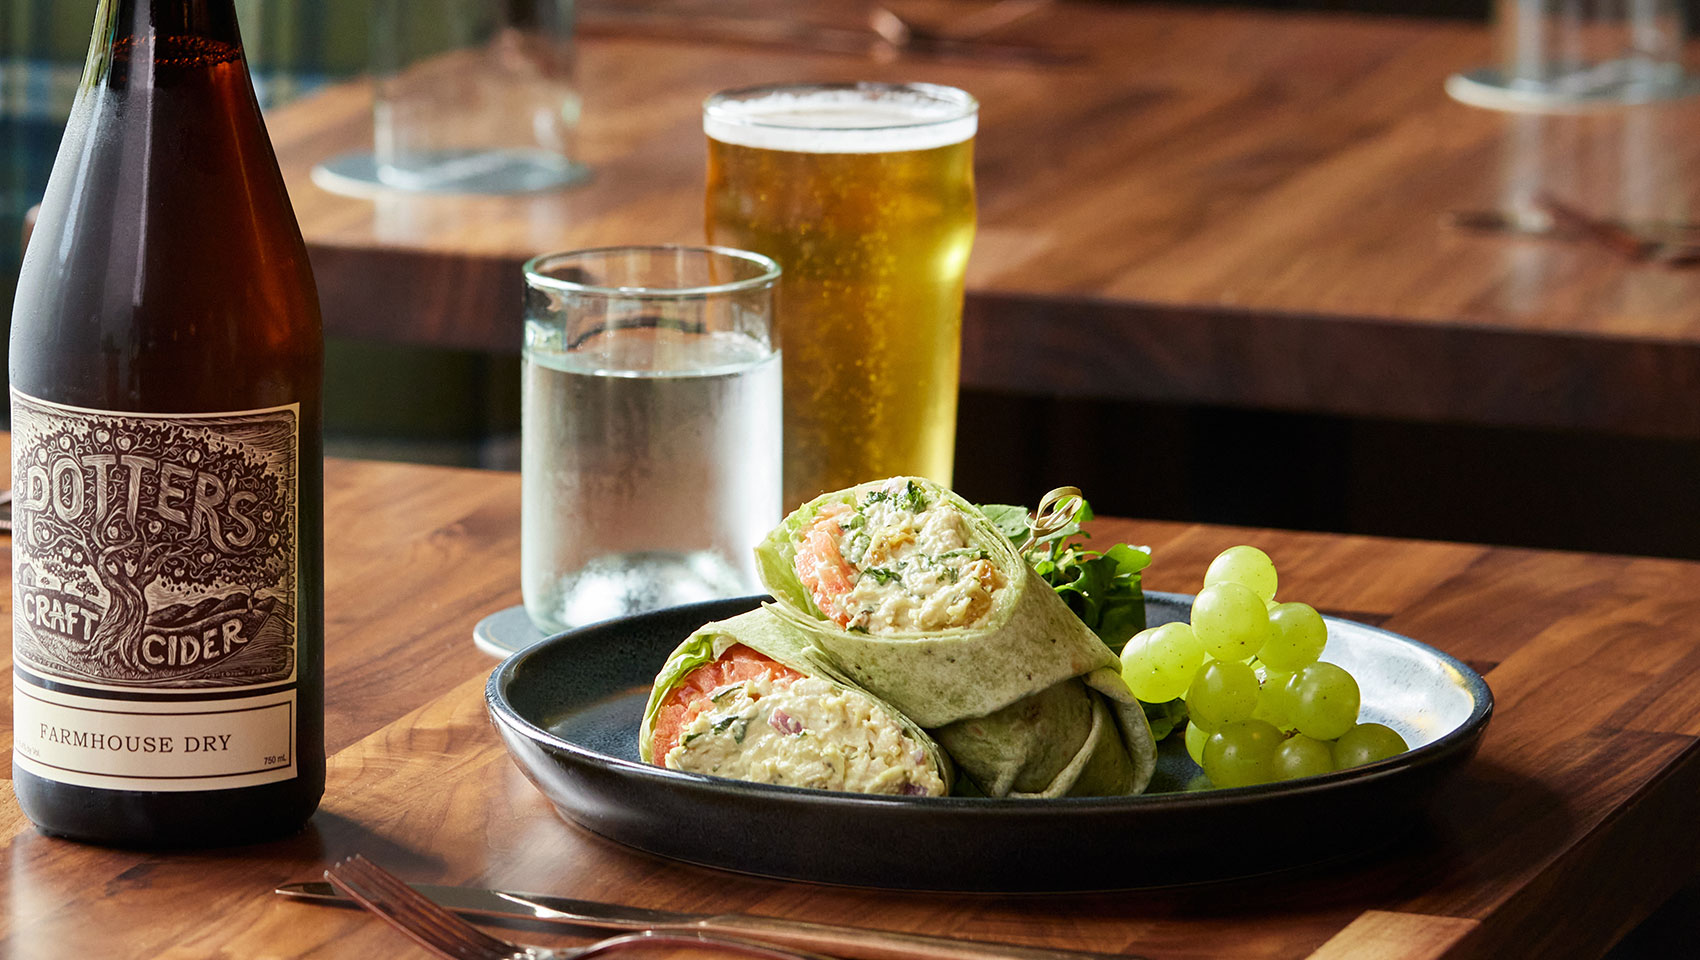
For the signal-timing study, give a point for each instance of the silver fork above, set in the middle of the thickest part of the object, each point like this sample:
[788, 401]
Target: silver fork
[447, 935]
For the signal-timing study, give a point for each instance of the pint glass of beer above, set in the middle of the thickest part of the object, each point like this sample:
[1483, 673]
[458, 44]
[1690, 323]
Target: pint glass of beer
[864, 194]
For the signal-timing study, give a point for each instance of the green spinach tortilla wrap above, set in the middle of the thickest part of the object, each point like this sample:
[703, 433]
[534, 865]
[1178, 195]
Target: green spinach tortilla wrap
[923, 602]
[754, 699]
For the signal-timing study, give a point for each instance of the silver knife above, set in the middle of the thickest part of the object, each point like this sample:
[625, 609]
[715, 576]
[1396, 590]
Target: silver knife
[856, 942]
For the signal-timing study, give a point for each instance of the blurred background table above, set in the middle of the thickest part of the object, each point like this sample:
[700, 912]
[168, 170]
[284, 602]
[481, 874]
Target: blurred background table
[1217, 207]
[1574, 821]
[1215, 237]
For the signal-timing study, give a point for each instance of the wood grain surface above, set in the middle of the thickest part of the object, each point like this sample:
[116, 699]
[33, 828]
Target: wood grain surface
[1222, 207]
[1575, 820]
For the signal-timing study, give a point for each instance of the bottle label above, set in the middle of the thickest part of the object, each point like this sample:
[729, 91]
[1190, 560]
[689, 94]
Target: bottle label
[154, 562]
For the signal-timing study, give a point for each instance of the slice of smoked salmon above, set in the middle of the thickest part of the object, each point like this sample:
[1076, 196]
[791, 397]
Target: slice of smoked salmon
[689, 698]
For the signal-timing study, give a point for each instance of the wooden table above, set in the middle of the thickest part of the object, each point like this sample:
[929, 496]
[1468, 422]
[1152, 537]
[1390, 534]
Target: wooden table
[1211, 207]
[1577, 818]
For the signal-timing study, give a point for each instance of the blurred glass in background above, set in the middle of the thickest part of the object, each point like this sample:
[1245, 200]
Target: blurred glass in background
[1561, 53]
[1598, 97]
[471, 96]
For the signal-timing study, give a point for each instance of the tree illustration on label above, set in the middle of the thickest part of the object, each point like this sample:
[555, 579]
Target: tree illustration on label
[154, 550]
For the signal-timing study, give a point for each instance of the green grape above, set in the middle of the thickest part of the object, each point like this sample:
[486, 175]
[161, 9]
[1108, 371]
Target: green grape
[1222, 691]
[1247, 566]
[1302, 756]
[1367, 743]
[1272, 704]
[1241, 754]
[1134, 658]
[1297, 637]
[1232, 621]
[1158, 664]
[1195, 737]
[1323, 701]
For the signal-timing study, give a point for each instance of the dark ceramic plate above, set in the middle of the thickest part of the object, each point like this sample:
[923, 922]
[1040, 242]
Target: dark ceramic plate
[569, 707]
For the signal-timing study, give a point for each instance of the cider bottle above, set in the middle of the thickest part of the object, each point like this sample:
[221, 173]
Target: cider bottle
[166, 359]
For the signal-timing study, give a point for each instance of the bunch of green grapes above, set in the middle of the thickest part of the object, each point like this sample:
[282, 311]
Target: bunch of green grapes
[1260, 705]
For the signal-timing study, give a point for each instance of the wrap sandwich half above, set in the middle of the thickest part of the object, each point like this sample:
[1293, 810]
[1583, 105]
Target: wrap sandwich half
[922, 601]
[754, 699]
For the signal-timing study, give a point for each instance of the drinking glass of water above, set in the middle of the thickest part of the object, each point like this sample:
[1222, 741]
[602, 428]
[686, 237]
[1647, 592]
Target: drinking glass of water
[650, 432]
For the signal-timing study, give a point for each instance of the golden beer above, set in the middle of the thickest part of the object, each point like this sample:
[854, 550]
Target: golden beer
[864, 194]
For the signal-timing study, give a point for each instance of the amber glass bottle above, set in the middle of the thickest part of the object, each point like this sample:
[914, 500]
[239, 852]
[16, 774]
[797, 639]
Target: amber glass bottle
[166, 356]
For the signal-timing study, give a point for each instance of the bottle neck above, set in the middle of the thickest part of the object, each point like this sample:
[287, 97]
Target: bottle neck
[208, 19]
[146, 35]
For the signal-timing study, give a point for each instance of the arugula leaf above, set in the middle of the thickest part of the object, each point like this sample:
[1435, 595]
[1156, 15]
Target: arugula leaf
[1119, 621]
[1129, 560]
[1103, 589]
[1010, 521]
[1164, 717]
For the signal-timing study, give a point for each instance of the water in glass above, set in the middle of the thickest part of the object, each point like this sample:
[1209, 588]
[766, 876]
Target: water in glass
[651, 469]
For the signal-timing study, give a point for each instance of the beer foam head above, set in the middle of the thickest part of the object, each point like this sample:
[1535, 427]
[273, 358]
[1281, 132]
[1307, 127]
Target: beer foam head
[857, 118]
